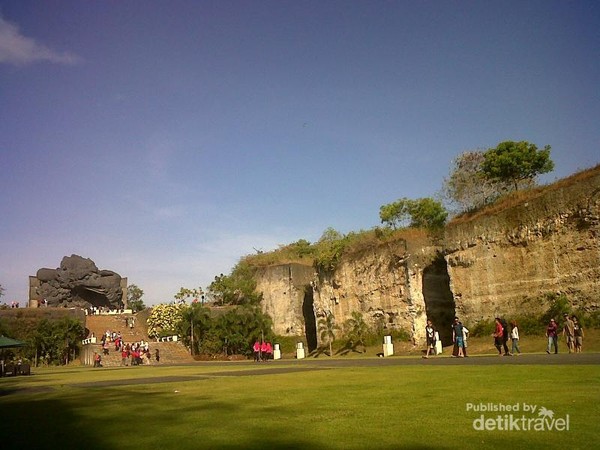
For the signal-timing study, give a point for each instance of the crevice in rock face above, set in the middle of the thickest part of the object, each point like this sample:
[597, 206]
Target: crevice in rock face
[439, 301]
[310, 321]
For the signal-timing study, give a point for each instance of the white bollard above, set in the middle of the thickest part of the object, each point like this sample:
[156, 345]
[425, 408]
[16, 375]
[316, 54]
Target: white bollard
[300, 350]
[388, 347]
[438, 344]
[276, 352]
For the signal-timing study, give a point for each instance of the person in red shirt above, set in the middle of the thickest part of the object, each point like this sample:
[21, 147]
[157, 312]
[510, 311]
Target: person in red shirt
[256, 350]
[263, 351]
[498, 335]
[124, 357]
[269, 351]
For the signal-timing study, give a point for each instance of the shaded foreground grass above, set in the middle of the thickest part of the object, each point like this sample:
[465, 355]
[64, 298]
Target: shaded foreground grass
[343, 408]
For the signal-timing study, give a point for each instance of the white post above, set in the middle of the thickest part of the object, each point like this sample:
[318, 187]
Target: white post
[388, 347]
[276, 352]
[300, 350]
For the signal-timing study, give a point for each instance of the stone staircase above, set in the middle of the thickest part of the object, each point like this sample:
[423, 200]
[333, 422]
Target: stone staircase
[170, 352]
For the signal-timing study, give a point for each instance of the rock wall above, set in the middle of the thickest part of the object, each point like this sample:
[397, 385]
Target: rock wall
[497, 263]
[385, 285]
[504, 264]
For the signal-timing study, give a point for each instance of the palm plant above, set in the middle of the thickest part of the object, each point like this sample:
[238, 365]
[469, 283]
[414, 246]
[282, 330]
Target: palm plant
[327, 326]
[357, 330]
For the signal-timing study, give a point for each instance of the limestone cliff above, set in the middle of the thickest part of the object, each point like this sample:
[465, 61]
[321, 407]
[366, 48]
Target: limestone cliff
[500, 262]
[503, 263]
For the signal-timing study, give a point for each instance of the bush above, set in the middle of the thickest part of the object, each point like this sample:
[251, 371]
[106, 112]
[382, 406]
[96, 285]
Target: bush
[483, 328]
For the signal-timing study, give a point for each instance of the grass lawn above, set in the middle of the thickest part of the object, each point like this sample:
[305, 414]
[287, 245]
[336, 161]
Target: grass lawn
[384, 407]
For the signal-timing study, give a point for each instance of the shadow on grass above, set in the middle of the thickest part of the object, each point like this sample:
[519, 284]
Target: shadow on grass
[351, 348]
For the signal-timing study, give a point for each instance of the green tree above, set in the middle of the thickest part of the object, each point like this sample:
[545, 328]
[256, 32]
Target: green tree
[194, 324]
[356, 331]
[516, 162]
[185, 294]
[422, 213]
[58, 341]
[467, 187]
[134, 298]
[395, 214]
[239, 288]
[328, 327]
[329, 250]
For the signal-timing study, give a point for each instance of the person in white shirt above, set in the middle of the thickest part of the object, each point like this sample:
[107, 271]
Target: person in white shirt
[514, 336]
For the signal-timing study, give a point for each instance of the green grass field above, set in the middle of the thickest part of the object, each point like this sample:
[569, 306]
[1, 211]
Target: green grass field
[204, 406]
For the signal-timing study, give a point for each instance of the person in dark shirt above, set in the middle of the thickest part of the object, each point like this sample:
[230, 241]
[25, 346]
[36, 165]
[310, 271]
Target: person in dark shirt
[457, 336]
[552, 335]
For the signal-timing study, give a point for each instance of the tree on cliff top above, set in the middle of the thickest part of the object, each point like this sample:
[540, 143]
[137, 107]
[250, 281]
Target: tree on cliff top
[421, 213]
[467, 187]
[516, 162]
[239, 288]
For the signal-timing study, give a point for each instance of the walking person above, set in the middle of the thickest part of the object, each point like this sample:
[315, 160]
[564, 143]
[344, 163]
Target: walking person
[505, 337]
[514, 337]
[457, 337]
[430, 337]
[263, 351]
[569, 332]
[578, 332]
[552, 335]
[498, 334]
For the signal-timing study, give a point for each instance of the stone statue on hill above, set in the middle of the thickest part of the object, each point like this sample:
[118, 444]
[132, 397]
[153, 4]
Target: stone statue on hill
[78, 282]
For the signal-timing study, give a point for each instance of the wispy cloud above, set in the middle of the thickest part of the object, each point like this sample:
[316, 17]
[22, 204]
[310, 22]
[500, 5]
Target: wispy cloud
[19, 50]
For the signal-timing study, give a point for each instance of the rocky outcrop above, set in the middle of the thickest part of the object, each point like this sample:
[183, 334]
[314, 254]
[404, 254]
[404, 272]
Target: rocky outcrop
[78, 282]
[385, 285]
[503, 264]
[500, 262]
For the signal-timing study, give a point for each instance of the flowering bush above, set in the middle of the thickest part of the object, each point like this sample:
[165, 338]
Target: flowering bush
[164, 319]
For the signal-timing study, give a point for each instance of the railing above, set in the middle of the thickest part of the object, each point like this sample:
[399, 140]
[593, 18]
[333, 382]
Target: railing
[173, 338]
[90, 340]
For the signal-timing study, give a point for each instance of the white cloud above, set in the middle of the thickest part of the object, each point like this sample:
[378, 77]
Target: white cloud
[20, 50]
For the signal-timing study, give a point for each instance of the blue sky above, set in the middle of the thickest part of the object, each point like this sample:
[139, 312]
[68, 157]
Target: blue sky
[166, 139]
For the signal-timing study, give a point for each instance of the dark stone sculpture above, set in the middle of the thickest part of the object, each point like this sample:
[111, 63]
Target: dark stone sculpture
[78, 282]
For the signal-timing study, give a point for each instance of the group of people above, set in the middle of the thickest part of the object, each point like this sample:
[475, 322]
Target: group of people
[571, 330]
[98, 310]
[263, 351]
[134, 354]
[501, 335]
[460, 335]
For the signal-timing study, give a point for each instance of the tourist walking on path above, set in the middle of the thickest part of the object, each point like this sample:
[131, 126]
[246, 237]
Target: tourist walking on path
[505, 336]
[263, 351]
[552, 335]
[498, 333]
[457, 336]
[514, 337]
[430, 337]
[578, 331]
[269, 351]
[569, 332]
